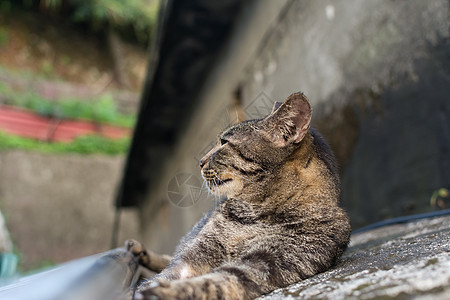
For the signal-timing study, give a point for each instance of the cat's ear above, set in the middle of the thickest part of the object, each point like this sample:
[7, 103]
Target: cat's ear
[290, 122]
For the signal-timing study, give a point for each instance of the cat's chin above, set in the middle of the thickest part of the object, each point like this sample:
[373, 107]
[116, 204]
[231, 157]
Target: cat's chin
[227, 188]
[219, 188]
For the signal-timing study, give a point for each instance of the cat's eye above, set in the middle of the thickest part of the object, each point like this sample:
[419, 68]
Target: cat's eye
[223, 142]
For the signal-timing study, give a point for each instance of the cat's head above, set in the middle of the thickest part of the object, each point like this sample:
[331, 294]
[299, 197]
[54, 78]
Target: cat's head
[248, 153]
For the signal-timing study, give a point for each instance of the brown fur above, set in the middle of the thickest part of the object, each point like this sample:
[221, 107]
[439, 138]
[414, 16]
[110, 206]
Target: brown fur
[280, 221]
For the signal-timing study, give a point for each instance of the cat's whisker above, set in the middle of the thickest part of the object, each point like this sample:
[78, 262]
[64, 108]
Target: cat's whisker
[216, 179]
[204, 187]
[263, 169]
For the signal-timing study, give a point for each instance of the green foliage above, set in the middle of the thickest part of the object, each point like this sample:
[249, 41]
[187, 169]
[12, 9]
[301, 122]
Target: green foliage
[142, 13]
[5, 7]
[89, 144]
[101, 110]
[138, 14]
[47, 68]
[4, 36]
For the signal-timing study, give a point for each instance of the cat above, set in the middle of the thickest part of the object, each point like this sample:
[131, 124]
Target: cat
[279, 223]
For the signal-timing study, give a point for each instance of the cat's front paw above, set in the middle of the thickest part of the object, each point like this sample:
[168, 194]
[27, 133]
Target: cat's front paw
[138, 251]
[163, 289]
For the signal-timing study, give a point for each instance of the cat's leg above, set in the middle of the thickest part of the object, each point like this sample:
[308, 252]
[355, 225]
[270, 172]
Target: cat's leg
[235, 281]
[247, 278]
[152, 261]
[209, 286]
[240, 280]
[179, 269]
[193, 260]
[259, 270]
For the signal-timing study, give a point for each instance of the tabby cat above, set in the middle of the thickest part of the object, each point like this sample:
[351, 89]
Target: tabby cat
[280, 222]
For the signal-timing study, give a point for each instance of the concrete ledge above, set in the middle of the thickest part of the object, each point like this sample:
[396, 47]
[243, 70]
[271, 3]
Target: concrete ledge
[401, 261]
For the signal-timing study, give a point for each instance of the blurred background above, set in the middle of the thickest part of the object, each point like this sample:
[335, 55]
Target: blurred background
[107, 106]
[71, 74]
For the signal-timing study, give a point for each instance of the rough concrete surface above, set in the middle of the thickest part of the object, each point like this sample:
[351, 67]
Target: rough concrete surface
[400, 261]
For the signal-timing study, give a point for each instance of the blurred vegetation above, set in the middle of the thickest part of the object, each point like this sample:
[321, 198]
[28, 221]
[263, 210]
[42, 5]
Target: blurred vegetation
[101, 110]
[130, 18]
[89, 144]
[4, 36]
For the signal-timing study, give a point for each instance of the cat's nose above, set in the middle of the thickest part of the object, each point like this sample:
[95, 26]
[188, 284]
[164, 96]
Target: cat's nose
[202, 163]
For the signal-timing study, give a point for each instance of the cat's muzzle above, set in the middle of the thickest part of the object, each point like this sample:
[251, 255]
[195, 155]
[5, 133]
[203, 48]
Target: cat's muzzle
[212, 178]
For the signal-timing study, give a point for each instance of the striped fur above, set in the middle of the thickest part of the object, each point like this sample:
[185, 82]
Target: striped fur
[280, 221]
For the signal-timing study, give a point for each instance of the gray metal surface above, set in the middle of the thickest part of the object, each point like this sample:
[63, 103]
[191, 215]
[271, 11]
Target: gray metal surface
[102, 276]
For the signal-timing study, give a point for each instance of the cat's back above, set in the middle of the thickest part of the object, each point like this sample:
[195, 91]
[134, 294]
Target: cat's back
[324, 153]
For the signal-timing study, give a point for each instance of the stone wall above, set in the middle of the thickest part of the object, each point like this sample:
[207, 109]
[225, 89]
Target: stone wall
[377, 73]
[60, 207]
